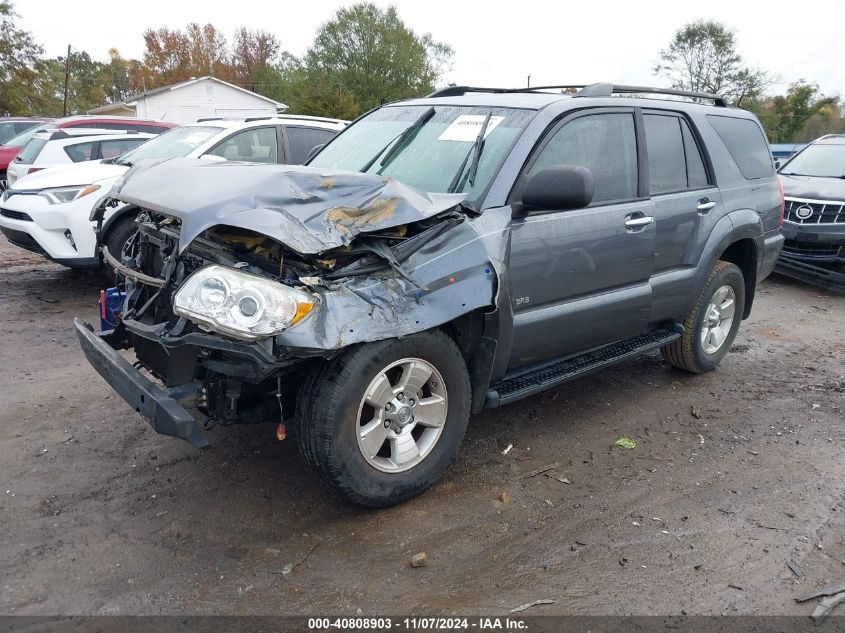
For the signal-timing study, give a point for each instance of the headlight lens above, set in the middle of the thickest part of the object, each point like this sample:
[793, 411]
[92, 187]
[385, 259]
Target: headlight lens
[240, 304]
[61, 195]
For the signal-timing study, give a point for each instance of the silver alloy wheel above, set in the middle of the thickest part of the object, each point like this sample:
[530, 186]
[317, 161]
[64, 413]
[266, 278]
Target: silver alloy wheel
[401, 415]
[718, 319]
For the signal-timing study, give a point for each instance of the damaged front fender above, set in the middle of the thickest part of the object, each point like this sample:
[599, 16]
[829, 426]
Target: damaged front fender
[447, 278]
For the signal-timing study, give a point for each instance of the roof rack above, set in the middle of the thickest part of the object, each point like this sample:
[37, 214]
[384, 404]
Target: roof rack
[591, 90]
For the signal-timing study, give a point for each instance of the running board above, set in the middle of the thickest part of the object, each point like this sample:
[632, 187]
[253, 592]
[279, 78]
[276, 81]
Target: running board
[526, 384]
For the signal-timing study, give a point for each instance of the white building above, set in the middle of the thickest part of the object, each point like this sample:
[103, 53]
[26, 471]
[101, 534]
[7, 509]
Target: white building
[199, 98]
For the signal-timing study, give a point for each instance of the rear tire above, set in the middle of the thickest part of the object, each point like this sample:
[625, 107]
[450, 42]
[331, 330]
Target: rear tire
[114, 240]
[357, 413]
[711, 327]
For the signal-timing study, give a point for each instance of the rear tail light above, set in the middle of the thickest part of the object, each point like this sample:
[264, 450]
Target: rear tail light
[782, 203]
[32, 170]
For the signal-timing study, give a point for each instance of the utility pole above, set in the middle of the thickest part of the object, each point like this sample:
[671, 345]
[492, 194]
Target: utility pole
[67, 79]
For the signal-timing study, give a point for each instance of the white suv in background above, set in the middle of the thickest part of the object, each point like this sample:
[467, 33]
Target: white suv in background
[48, 212]
[54, 148]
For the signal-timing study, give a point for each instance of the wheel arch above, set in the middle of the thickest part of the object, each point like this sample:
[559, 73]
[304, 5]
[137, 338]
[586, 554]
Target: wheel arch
[744, 254]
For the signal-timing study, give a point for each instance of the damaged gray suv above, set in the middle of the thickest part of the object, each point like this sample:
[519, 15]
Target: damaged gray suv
[438, 257]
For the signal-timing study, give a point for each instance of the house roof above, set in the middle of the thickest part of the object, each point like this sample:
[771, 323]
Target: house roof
[133, 100]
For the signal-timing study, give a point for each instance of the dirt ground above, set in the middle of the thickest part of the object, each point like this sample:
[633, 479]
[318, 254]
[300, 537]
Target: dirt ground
[736, 475]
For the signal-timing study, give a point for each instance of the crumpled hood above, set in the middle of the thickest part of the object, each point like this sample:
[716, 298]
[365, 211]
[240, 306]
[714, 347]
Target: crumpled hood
[813, 188]
[309, 210]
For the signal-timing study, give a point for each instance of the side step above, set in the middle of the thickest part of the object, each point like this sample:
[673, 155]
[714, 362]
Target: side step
[526, 384]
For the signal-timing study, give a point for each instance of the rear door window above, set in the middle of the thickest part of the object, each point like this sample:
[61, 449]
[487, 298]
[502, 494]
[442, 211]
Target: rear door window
[666, 161]
[746, 143]
[604, 143]
[30, 151]
[674, 158]
[301, 140]
[81, 152]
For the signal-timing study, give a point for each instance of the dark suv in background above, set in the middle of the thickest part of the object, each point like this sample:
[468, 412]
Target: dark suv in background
[438, 257]
[814, 221]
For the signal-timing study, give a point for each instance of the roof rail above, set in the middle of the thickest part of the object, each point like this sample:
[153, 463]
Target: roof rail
[210, 118]
[607, 90]
[591, 90]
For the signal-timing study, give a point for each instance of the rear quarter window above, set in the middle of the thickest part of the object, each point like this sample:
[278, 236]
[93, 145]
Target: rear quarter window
[746, 143]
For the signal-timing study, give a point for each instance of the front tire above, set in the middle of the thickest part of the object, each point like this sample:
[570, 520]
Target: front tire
[381, 422]
[115, 240]
[711, 326]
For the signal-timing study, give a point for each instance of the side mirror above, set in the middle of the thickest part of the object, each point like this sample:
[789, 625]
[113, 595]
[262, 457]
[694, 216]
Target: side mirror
[777, 164]
[559, 188]
[213, 158]
[314, 151]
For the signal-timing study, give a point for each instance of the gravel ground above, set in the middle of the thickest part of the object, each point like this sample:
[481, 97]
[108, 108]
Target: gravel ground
[736, 475]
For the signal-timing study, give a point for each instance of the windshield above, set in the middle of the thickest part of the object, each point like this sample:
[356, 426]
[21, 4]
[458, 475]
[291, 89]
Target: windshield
[23, 138]
[827, 161]
[175, 143]
[430, 156]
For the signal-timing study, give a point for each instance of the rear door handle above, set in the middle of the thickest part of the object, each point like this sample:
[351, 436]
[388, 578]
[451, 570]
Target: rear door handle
[705, 205]
[635, 223]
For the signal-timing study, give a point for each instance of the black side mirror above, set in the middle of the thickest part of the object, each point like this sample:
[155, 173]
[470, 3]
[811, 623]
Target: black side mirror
[559, 188]
[314, 151]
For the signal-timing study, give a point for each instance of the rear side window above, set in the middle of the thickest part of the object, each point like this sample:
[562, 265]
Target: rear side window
[302, 140]
[80, 152]
[606, 144]
[746, 143]
[31, 151]
[674, 159]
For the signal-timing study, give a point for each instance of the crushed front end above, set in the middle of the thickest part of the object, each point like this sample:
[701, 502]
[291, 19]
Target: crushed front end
[226, 318]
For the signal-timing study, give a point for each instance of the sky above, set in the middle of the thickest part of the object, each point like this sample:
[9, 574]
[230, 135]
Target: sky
[496, 43]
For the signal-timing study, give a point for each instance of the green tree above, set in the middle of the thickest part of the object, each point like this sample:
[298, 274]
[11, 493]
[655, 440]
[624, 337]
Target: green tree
[20, 65]
[802, 114]
[252, 53]
[370, 53]
[703, 57]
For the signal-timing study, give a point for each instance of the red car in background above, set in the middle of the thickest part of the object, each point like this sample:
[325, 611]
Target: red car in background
[10, 148]
[13, 125]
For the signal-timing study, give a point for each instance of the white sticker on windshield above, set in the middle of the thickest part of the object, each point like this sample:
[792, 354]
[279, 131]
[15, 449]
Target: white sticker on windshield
[467, 126]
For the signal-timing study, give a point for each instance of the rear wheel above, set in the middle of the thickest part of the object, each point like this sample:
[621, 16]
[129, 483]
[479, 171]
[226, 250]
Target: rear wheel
[711, 326]
[115, 239]
[382, 422]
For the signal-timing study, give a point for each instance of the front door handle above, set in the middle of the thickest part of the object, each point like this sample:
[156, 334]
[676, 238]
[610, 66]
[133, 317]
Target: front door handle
[705, 205]
[636, 223]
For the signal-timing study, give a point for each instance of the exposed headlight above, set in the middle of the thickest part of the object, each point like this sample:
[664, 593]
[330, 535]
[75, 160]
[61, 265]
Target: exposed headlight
[61, 195]
[240, 304]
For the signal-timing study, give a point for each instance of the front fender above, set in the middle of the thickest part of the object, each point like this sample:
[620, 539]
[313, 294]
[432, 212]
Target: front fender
[444, 280]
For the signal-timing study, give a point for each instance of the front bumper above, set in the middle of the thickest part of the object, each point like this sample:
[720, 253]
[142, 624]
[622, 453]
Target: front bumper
[815, 242]
[49, 226]
[162, 407]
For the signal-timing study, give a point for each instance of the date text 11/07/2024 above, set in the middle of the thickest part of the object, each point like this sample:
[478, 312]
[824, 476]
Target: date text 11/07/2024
[377, 624]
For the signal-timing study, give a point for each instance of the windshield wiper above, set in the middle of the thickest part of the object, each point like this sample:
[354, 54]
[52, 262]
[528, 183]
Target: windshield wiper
[474, 151]
[399, 141]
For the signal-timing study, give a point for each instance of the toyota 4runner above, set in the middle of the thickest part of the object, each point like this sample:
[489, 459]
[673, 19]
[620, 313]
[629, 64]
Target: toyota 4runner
[440, 256]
